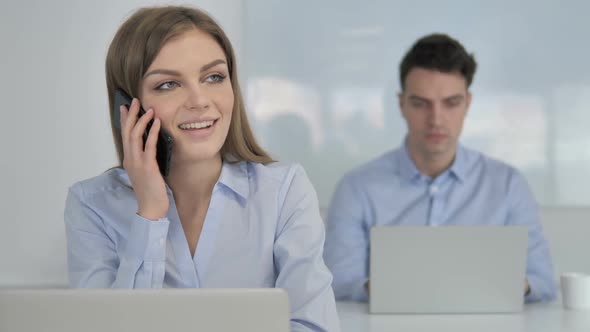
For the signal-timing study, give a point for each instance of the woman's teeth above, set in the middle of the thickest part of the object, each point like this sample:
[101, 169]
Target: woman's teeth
[196, 125]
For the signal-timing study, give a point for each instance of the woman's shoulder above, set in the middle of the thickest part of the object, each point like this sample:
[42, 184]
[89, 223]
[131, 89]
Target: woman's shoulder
[279, 173]
[111, 180]
[279, 179]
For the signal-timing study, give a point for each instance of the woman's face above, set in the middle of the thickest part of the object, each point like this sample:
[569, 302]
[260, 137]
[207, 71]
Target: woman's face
[188, 87]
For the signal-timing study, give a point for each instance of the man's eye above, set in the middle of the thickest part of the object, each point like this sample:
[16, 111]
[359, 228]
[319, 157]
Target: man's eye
[453, 103]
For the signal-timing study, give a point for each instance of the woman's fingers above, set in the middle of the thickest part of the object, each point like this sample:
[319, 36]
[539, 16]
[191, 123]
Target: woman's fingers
[128, 118]
[133, 130]
[136, 136]
[152, 141]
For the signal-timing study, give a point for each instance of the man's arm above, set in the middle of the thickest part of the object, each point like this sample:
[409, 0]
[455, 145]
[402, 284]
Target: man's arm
[347, 244]
[523, 210]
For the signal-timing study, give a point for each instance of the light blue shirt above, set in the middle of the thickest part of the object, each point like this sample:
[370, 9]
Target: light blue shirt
[391, 191]
[262, 230]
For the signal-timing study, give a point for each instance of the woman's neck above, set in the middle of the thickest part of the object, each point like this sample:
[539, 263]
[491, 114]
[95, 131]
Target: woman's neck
[194, 180]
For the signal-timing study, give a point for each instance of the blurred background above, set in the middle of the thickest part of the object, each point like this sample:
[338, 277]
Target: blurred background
[320, 81]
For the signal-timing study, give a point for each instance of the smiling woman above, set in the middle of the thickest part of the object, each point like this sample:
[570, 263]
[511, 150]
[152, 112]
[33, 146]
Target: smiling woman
[226, 215]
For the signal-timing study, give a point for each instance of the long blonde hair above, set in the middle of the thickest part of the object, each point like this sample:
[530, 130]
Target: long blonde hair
[137, 43]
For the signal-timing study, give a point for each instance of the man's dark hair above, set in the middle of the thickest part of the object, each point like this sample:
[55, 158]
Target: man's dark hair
[438, 52]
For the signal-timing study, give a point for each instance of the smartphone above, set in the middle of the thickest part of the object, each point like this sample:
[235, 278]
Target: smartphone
[165, 142]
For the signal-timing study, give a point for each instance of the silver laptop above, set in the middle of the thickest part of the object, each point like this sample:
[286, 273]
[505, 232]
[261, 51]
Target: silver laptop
[64, 310]
[451, 269]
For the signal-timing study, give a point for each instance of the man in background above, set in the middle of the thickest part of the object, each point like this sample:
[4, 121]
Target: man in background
[431, 180]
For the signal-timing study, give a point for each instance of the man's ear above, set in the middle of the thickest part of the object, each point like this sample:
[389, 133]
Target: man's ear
[468, 102]
[400, 102]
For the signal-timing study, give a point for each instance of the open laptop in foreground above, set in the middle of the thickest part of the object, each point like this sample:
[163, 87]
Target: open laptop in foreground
[451, 269]
[256, 310]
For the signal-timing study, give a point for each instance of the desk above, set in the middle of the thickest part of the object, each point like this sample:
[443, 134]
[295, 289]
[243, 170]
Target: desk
[537, 317]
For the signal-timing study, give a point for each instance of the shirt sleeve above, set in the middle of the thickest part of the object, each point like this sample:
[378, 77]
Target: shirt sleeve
[347, 243]
[539, 270]
[96, 261]
[298, 252]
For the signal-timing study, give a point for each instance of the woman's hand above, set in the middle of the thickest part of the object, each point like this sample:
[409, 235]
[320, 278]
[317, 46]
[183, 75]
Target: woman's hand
[140, 164]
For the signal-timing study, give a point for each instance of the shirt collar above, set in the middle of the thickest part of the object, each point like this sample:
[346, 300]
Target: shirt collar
[407, 168]
[459, 166]
[234, 176]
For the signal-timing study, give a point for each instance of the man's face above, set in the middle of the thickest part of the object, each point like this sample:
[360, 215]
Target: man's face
[434, 105]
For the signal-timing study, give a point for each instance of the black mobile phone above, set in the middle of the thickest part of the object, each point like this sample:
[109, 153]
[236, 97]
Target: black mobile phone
[165, 142]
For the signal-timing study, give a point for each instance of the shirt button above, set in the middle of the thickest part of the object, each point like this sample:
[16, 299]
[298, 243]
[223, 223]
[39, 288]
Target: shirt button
[433, 189]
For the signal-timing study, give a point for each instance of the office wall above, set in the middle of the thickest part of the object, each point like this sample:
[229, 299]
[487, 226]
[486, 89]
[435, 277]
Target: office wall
[55, 127]
[323, 82]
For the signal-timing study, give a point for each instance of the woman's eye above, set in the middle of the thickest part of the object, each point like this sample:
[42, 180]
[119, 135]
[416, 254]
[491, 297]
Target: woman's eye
[215, 78]
[166, 86]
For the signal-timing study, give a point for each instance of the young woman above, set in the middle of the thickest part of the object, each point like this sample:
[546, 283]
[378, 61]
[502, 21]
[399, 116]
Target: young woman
[226, 215]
